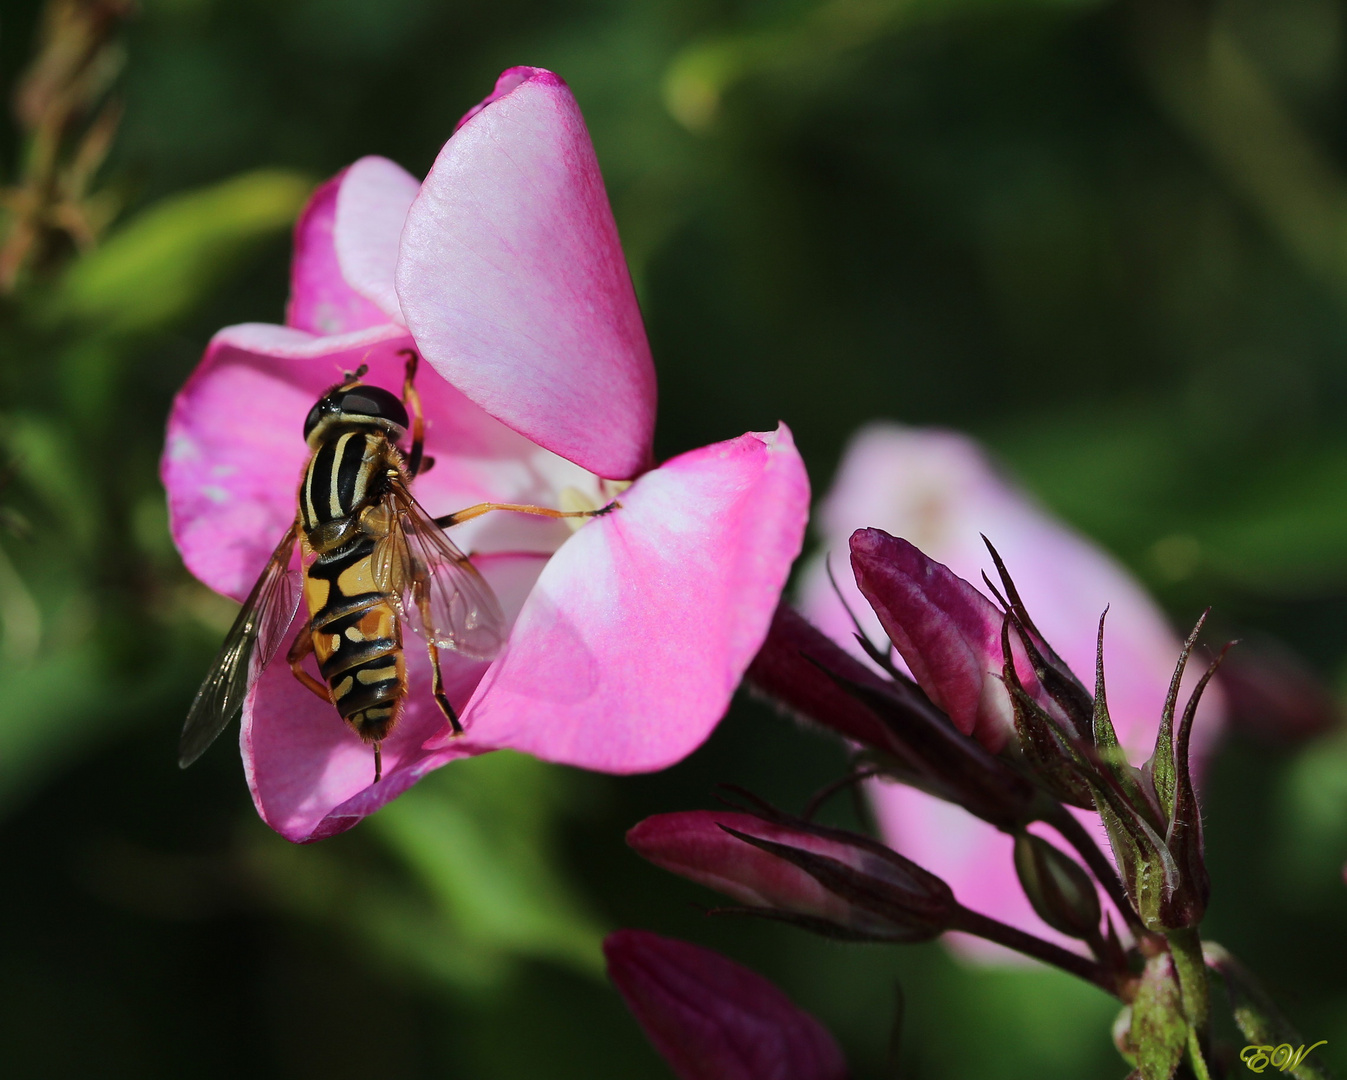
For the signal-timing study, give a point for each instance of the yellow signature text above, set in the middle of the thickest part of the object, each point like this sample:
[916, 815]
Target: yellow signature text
[1281, 1057]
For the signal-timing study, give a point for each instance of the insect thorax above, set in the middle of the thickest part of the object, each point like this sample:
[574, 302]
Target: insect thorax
[344, 484]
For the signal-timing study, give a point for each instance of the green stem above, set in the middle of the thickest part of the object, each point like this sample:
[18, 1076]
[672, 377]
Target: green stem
[1186, 948]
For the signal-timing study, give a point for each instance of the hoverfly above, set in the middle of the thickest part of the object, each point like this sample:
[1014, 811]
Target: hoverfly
[372, 560]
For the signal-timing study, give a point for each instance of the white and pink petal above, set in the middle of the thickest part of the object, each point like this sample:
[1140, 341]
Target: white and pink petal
[512, 280]
[321, 300]
[635, 636]
[371, 211]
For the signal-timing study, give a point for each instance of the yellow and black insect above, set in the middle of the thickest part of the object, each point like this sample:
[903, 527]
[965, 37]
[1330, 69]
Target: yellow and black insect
[372, 560]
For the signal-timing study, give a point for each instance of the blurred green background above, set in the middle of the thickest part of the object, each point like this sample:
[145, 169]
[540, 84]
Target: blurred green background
[1108, 238]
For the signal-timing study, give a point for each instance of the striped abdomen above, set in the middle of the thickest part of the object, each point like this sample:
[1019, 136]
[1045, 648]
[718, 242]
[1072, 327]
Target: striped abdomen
[357, 638]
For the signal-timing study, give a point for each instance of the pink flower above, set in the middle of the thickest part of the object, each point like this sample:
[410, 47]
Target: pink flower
[504, 270]
[712, 1019]
[938, 490]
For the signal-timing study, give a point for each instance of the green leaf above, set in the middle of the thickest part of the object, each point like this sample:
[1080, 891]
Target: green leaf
[480, 835]
[1312, 816]
[400, 929]
[166, 260]
[46, 456]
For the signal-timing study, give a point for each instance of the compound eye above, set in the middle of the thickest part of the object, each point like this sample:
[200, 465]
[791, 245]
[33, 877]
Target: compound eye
[311, 421]
[373, 401]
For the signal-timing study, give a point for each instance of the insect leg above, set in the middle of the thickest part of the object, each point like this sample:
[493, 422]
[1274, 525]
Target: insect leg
[378, 762]
[449, 520]
[299, 649]
[412, 400]
[437, 685]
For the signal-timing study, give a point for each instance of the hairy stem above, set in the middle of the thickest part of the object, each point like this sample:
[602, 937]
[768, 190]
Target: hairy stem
[1186, 948]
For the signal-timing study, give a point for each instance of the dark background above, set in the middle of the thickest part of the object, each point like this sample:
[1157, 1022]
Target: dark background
[1108, 238]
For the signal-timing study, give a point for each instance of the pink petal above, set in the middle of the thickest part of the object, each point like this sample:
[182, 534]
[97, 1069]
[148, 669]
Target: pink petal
[512, 280]
[235, 449]
[372, 206]
[638, 631]
[508, 80]
[311, 776]
[712, 1019]
[321, 300]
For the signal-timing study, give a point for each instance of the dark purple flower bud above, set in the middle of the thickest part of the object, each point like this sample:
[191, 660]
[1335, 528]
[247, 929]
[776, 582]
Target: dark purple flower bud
[811, 676]
[712, 1019]
[949, 634]
[803, 670]
[828, 880]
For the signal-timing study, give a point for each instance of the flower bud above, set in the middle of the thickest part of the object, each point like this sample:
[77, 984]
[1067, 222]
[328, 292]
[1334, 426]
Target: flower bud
[833, 882]
[799, 668]
[1062, 893]
[949, 634]
[712, 1019]
[813, 677]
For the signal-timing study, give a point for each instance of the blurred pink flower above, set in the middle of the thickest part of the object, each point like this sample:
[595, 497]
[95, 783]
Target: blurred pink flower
[712, 1019]
[938, 490]
[505, 271]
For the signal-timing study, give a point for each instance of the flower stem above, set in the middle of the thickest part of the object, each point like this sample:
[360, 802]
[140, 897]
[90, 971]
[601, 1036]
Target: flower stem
[970, 922]
[1186, 948]
[1073, 832]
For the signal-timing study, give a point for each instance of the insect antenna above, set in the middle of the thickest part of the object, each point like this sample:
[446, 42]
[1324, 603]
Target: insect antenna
[351, 377]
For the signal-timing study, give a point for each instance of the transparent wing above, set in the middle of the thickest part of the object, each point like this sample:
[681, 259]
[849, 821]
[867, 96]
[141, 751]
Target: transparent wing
[250, 643]
[440, 594]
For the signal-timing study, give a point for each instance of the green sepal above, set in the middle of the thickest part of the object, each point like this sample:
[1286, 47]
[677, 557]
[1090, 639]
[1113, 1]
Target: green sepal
[1105, 738]
[1145, 864]
[1046, 750]
[1122, 1035]
[1053, 673]
[927, 752]
[1161, 765]
[1184, 837]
